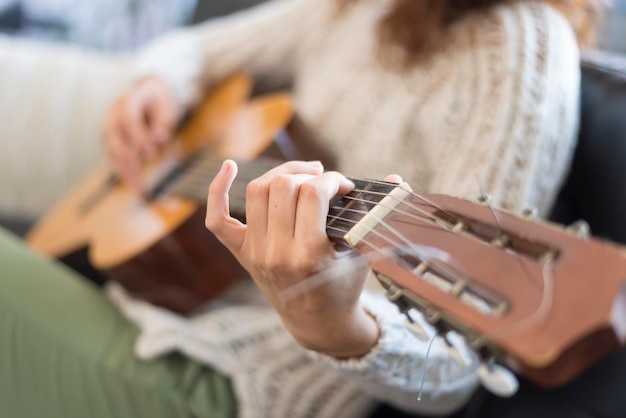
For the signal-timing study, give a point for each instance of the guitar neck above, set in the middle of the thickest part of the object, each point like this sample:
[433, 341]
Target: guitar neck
[192, 181]
[347, 211]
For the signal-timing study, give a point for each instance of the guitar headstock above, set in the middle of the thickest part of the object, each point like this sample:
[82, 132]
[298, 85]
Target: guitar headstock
[543, 300]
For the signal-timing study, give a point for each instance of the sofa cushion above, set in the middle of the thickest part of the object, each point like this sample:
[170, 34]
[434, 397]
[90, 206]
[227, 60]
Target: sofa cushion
[596, 189]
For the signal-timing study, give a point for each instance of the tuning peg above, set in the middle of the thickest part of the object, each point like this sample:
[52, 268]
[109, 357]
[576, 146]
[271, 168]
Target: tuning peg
[422, 332]
[457, 349]
[530, 213]
[498, 380]
[580, 228]
[484, 199]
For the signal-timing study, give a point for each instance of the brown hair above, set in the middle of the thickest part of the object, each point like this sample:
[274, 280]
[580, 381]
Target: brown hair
[418, 26]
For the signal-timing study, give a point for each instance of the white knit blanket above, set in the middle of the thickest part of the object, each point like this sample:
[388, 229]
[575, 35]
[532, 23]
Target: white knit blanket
[271, 374]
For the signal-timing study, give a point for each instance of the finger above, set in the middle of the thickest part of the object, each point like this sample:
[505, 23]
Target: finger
[135, 126]
[257, 193]
[393, 178]
[123, 158]
[313, 203]
[162, 118]
[293, 167]
[283, 199]
[228, 230]
[125, 163]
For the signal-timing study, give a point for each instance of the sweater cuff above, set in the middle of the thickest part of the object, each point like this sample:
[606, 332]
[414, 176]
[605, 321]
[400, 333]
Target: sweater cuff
[177, 59]
[391, 328]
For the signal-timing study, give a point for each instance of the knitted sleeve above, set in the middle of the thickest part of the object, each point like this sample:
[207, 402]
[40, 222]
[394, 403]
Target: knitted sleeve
[400, 368]
[263, 41]
[516, 146]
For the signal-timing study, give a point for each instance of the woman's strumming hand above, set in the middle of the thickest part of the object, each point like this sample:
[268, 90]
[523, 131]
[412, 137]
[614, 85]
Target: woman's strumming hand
[137, 124]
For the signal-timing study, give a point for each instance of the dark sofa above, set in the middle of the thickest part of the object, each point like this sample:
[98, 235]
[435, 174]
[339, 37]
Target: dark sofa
[595, 191]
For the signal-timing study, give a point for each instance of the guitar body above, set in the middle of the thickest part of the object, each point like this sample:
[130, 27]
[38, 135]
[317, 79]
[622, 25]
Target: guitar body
[158, 249]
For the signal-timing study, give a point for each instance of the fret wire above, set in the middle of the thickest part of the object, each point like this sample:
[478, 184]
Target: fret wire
[348, 206]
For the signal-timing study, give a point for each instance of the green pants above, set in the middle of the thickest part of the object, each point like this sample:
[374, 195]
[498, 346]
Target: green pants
[65, 352]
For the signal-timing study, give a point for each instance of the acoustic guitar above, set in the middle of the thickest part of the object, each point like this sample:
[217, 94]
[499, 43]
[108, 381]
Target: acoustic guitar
[536, 298]
[158, 248]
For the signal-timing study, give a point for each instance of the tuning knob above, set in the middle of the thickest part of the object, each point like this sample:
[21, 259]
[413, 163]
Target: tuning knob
[485, 199]
[457, 350]
[580, 228]
[498, 380]
[530, 213]
[422, 332]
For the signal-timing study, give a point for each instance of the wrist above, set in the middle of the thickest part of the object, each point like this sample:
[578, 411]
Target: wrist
[348, 335]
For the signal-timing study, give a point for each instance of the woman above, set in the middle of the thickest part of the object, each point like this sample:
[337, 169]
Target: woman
[464, 97]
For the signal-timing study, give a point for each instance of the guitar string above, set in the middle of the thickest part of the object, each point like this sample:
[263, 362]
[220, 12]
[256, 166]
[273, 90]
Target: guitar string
[195, 181]
[428, 217]
[423, 378]
[499, 227]
[548, 285]
[542, 311]
[381, 252]
[197, 175]
[538, 315]
[323, 277]
[547, 277]
[448, 270]
[406, 241]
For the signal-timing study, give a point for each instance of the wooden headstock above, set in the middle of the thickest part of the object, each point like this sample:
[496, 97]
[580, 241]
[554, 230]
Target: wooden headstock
[543, 300]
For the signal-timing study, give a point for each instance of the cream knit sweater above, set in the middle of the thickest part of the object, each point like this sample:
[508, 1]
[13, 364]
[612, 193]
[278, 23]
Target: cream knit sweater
[495, 113]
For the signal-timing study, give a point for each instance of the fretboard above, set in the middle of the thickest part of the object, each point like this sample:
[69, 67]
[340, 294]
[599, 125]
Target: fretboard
[193, 179]
[192, 182]
[346, 211]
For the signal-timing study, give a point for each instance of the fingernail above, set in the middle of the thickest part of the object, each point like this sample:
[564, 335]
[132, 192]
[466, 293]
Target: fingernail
[225, 167]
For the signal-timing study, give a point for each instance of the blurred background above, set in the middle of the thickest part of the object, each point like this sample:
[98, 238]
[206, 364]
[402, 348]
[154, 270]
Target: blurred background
[56, 55]
[106, 25]
[125, 25]
[613, 31]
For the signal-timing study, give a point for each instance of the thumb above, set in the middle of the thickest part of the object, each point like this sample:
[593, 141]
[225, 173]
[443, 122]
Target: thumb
[227, 229]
